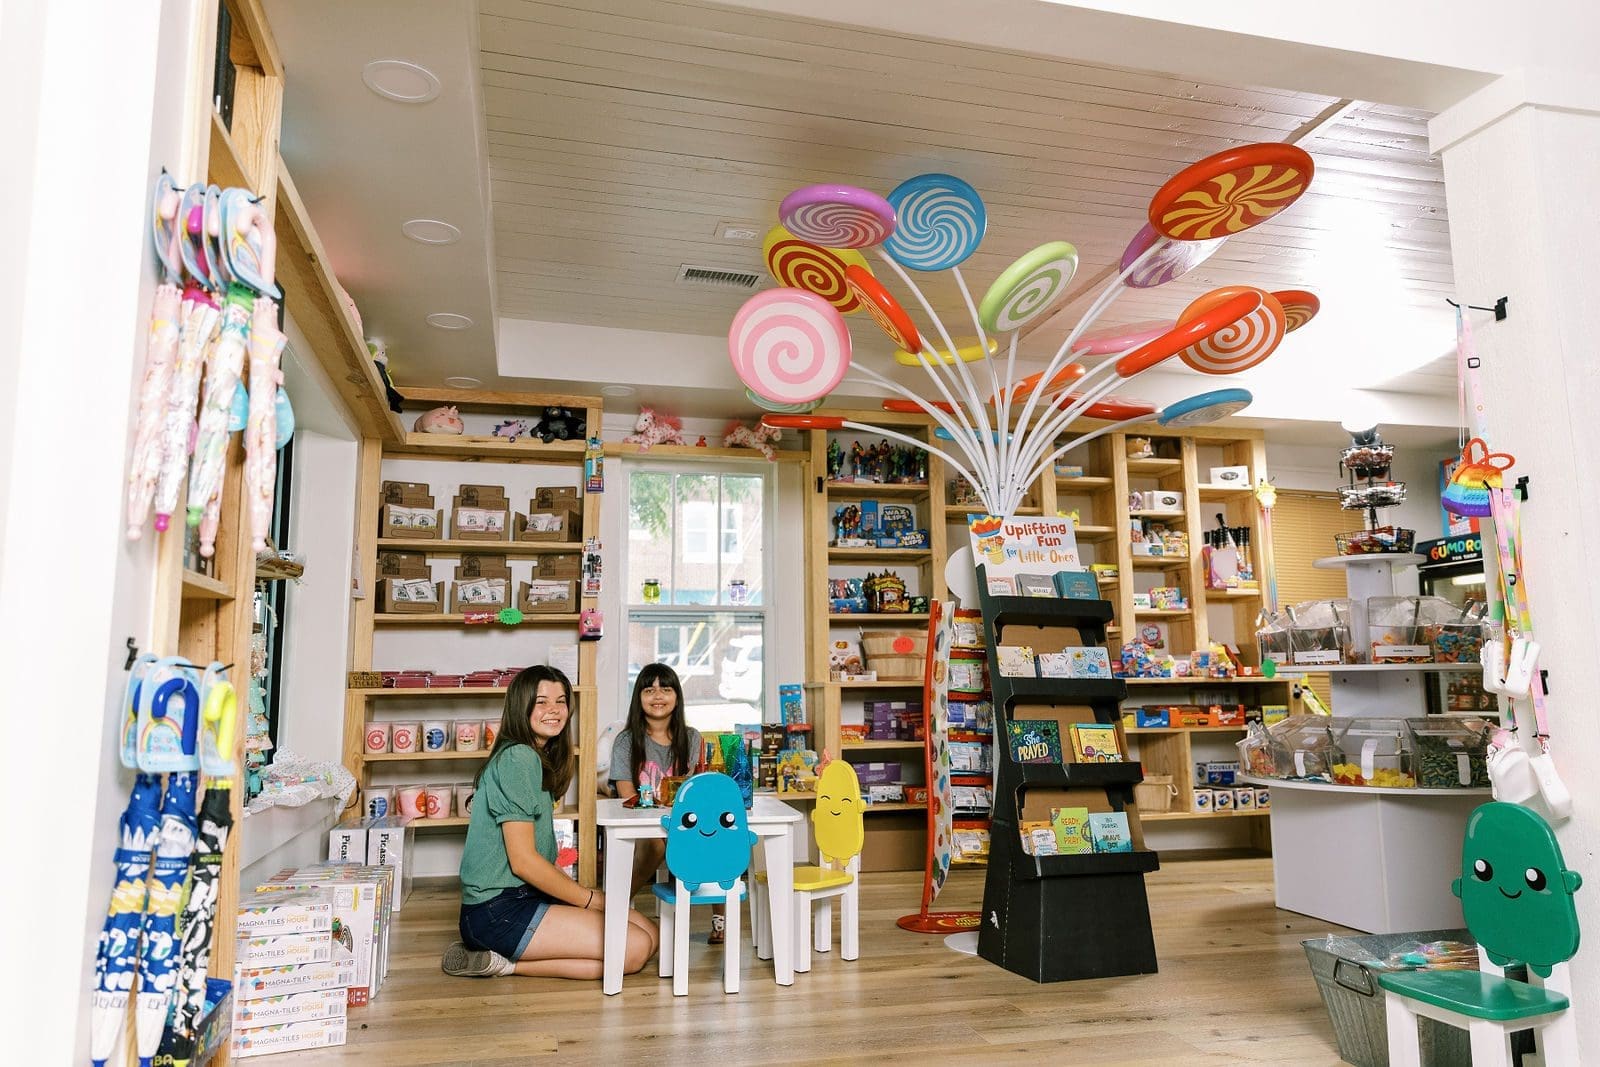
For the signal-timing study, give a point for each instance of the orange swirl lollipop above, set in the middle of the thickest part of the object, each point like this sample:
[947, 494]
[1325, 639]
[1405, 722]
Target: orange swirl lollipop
[1241, 344]
[1231, 191]
[1299, 307]
[1059, 381]
[1189, 331]
[802, 265]
[884, 308]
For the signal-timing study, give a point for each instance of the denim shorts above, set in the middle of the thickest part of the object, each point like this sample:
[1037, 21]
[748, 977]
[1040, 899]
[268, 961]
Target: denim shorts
[505, 923]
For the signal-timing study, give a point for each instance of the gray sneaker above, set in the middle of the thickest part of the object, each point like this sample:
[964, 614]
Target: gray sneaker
[463, 962]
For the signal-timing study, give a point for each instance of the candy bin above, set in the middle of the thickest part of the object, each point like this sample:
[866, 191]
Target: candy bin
[1451, 753]
[1255, 753]
[1272, 637]
[1461, 639]
[1402, 629]
[1375, 752]
[1319, 631]
[1302, 747]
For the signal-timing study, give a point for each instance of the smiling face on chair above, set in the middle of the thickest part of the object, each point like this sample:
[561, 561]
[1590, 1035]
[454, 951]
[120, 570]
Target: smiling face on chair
[837, 815]
[1515, 891]
[708, 834]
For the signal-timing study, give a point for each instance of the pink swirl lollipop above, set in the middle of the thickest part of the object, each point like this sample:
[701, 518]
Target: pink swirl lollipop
[789, 346]
[837, 216]
[1115, 340]
[1172, 259]
[1240, 345]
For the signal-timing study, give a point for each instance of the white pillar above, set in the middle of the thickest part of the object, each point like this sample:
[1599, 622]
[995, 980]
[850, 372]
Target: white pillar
[1520, 187]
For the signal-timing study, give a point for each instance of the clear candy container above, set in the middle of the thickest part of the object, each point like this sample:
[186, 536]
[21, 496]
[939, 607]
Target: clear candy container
[1403, 629]
[1302, 747]
[1272, 638]
[1450, 753]
[1375, 752]
[1320, 632]
[1255, 753]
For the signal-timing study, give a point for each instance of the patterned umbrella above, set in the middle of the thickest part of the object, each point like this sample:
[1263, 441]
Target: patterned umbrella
[199, 920]
[118, 953]
[158, 955]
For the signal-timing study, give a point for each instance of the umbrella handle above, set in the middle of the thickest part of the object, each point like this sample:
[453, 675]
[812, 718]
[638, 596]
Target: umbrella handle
[184, 688]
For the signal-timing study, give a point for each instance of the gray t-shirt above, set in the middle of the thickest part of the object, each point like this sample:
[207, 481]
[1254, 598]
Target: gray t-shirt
[657, 759]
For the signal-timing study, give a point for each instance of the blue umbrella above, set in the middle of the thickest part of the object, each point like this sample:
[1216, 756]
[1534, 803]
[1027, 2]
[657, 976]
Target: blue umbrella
[199, 922]
[158, 956]
[118, 954]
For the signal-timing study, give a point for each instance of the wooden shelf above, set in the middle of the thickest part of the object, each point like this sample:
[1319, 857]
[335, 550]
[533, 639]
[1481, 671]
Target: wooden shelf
[1204, 681]
[450, 691]
[421, 757]
[865, 616]
[1089, 483]
[515, 549]
[1183, 729]
[877, 489]
[709, 452]
[1210, 492]
[1231, 594]
[874, 555]
[1198, 816]
[1154, 466]
[1162, 613]
[1296, 670]
[197, 586]
[460, 620]
[892, 805]
[1165, 563]
[1141, 513]
[870, 745]
[890, 683]
[494, 449]
[455, 822]
[1094, 534]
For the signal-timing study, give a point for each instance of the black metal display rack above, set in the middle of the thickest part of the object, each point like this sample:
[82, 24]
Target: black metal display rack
[1060, 918]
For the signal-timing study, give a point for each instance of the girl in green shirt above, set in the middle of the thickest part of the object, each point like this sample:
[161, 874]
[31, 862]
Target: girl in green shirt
[520, 913]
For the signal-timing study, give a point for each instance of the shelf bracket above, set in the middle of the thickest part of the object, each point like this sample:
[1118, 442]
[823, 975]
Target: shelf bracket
[1522, 487]
[1499, 307]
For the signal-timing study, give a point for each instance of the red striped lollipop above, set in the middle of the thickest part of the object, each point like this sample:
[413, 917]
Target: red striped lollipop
[1231, 191]
[803, 265]
[884, 308]
[1299, 307]
[837, 216]
[1241, 344]
[789, 346]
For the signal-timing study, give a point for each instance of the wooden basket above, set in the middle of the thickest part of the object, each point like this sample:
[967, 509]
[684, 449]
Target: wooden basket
[1153, 796]
[895, 654]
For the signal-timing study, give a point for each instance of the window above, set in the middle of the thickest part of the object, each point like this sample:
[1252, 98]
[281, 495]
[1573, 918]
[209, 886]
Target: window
[698, 538]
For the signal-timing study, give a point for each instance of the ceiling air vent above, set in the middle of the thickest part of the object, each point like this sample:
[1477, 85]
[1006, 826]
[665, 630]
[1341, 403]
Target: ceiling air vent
[721, 279]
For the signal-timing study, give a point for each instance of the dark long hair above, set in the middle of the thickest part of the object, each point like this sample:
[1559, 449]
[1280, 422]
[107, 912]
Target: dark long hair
[515, 729]
[639, 728]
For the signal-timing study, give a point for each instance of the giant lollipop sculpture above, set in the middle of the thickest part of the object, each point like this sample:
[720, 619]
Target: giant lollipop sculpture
[791, 346]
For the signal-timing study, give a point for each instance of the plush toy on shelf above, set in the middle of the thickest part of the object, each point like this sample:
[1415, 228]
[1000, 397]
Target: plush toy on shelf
[760, 436]
[562, 424]
[440, 420]
[515, 428]
[654, 428]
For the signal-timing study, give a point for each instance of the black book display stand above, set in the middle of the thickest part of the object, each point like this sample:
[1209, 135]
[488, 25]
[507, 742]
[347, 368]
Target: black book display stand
[1060, 918]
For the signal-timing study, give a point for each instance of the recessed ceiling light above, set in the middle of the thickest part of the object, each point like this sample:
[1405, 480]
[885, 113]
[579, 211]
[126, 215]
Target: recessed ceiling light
[402, 82]
[461, 381]
[617, 390]
[431, 232]
[449, 320]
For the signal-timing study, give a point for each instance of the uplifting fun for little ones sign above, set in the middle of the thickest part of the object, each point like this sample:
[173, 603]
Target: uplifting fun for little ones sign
[1022, 555]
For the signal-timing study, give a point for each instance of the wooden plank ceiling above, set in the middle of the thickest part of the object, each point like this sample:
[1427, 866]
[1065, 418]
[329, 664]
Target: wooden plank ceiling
[625, 134]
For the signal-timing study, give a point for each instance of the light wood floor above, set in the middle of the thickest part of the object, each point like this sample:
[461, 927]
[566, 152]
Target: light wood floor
[1234, 988]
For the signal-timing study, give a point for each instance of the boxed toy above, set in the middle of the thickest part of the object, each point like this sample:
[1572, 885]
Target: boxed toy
[287, 1037]
[390, 843]
[1222, 800]
[885, 793]
[285, 950]
[1148, 718]
[361, 896]
[347, 841]
[791, 703]
[307, 911]
[257, 982]
[1202, 800]
[290, 1008]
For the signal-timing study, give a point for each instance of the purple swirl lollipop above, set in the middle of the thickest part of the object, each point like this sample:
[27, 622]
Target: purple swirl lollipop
[1172, 259]
[837, 216]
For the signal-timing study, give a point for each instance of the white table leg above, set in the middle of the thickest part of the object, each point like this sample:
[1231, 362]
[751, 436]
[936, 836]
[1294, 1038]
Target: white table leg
[619, 879]
[1405, 1049]
[780, 888]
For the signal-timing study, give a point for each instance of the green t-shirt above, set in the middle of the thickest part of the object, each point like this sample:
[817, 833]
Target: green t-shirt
[511, 790]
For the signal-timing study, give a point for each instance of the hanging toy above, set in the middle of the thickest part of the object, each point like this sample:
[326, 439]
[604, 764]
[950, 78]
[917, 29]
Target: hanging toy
[260, 436]
[1475, 477]
[160, 355]
[219, 712]
[169, 718]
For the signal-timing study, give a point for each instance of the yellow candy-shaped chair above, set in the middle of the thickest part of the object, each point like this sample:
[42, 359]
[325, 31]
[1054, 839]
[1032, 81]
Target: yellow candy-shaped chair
[837, 825]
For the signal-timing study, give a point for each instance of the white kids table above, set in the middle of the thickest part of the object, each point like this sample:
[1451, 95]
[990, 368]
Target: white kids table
[770, 818]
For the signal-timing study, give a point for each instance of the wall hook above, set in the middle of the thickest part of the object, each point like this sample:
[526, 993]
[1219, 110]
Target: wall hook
[1499, 307]
[133, 655]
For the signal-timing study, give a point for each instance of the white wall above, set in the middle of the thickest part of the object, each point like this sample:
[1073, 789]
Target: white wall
[71, 588]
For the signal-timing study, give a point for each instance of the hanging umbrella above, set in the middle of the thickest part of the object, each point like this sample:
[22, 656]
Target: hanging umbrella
[158, 956]
[260, 435]
[224, 363]
[200, 317]
[117, 956]
[199, 921]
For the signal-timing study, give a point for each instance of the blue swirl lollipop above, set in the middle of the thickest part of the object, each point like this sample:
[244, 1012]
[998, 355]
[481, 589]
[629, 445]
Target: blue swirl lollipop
[1204, 407]
[941, 222]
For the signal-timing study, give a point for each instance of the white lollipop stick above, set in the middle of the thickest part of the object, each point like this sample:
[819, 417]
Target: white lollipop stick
[917, 443]
[956, 429]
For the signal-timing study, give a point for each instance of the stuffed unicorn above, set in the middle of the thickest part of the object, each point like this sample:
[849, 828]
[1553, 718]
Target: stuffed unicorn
[440, 420]
[738, 435]
[653, 428]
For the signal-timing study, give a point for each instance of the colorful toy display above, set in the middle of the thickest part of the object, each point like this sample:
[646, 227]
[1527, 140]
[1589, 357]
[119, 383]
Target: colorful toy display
[654, 428]
[935, 222]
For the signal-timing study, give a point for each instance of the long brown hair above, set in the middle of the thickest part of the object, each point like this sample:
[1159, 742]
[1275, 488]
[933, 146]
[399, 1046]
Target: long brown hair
[677, 727]
[516, 729]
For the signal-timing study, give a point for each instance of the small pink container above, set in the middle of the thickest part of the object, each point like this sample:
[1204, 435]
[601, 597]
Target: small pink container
[490, 728]
[377, 737]
[380, 801]
[412, 801]
[405, 737]
[467, 735]
[437, 801]
[464, 795]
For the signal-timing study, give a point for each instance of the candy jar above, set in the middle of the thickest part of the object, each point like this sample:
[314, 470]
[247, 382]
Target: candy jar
[652, 591]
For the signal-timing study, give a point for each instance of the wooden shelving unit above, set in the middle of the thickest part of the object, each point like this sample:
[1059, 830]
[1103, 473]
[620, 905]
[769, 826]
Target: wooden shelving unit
[460, 453]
